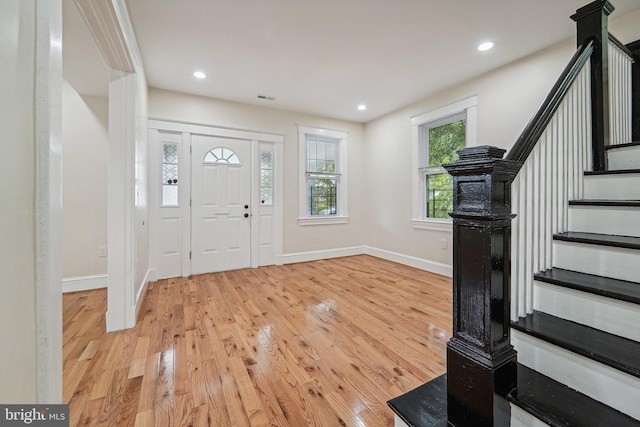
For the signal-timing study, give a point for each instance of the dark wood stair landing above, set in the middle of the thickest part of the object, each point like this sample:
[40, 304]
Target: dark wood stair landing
[546, 399]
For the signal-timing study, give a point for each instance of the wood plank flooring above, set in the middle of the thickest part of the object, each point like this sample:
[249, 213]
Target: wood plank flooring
[322, 343]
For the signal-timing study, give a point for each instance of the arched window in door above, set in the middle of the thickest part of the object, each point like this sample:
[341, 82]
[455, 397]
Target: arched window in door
[222, 155]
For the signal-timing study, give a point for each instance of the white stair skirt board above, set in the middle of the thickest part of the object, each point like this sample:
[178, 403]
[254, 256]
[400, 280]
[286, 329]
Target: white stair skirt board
[624, 158]
[521, 418]
[399, 423]
[616, 317]
[84, 283]
[617, 263]
[598, 381]
[612, 187]
[616, 220]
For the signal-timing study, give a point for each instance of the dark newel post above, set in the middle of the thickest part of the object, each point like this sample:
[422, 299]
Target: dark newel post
[635, 91]
[592, 24]
[481, 362]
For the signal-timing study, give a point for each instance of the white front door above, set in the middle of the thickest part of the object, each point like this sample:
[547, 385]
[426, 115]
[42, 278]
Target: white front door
[220, 204]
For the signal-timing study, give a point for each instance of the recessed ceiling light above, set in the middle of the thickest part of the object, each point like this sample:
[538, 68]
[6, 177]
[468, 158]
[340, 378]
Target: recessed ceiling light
[485, 46]
[199, 75]
[362, 107]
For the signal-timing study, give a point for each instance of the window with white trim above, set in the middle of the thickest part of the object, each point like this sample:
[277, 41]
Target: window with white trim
[440, 141]
[437, 136]
[322, 176]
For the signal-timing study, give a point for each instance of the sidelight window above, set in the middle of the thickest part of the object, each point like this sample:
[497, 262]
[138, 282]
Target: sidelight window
[266, 178]
[170, 157]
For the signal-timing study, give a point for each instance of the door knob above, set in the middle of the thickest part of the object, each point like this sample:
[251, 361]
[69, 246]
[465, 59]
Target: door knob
[246, 215]
[246, 206]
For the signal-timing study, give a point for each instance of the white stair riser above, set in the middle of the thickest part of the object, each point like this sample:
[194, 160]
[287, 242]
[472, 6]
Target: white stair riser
[624, 158]
[607, 314]
[521, 418]
[613, 187]
[598, 381]
[616, 220]
[617, 263]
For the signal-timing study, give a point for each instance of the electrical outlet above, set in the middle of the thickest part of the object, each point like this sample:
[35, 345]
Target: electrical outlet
[443, 244]
[102, 251]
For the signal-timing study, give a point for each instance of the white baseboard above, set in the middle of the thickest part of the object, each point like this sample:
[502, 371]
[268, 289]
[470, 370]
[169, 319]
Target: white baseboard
[422, 264]
[84, 283]
[150, 276]
[318, 255]
[411, 261]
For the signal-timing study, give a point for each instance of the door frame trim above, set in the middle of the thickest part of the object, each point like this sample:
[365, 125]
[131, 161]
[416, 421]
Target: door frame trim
[255, 138]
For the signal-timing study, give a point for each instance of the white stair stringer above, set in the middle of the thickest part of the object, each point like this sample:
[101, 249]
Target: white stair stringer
[607, 314]
[607, 261]
[598, 381]
[612, 186]
[615, 220]
[624, 158]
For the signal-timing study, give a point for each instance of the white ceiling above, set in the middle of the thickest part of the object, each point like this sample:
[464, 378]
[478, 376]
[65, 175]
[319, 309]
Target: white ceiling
[325, 57]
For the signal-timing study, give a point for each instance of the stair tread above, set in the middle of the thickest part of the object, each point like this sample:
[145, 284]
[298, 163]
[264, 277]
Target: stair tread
[625, 145]
[612, 172]
[425, 405]
[558, 405]
[605, 286]
[604, 202]
[629, 242]
[547, 399]
[612, 350]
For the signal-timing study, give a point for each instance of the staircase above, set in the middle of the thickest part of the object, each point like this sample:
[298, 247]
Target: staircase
[546, 326]
[579, 351]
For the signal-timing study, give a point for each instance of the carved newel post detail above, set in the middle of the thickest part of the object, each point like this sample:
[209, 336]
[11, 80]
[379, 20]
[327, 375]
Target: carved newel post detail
[481, 362]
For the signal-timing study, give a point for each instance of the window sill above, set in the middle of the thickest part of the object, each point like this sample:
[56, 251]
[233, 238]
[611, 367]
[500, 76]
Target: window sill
[321, 220]
[433, 224]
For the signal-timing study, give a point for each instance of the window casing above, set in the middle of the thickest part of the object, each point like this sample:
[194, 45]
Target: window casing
[437, 136]
[322, 176]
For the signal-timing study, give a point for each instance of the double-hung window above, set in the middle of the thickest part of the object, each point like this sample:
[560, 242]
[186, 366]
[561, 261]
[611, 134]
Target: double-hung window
[438, 136]
[439, 142]
[323, 177]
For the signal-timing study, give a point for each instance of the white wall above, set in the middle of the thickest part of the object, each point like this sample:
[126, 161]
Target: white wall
[85, 141]
[17, 235]
[141, 220]
[380, 151]
[507, 99]
[176, 106]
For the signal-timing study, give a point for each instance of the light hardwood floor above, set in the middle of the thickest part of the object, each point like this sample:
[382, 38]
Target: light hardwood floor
[323, 343]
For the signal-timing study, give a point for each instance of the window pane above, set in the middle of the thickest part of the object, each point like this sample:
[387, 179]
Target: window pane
[445, 141]
[439, 195]
[170, 155]
[221, 155]
[266, 178]
[322, 196]
[321, 154]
